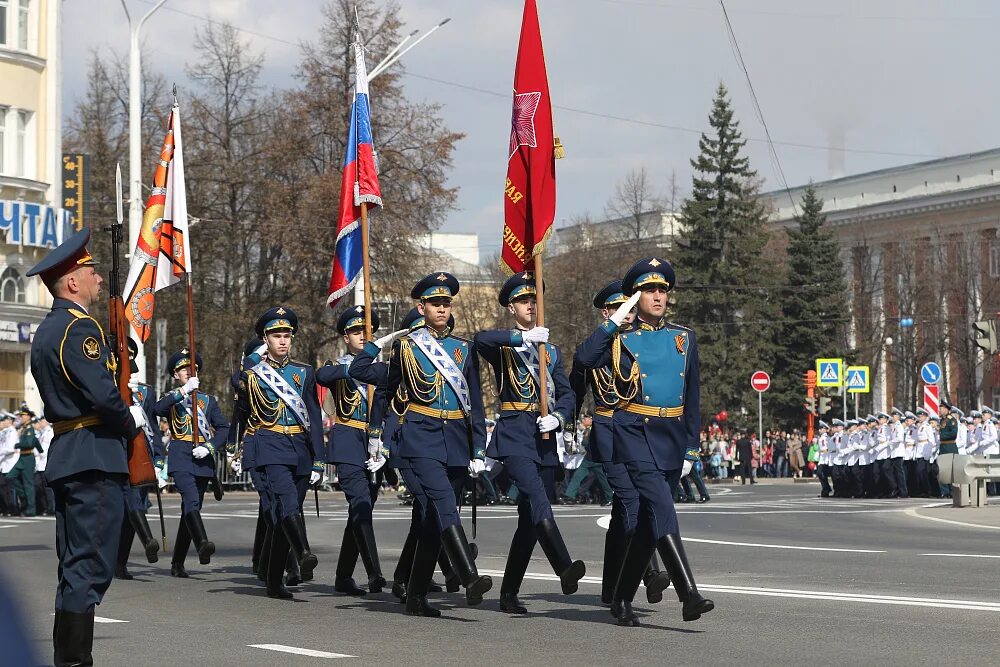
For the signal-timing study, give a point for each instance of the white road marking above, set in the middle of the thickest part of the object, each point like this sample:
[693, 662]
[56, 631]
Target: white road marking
[942, 603]
[913, 512]
[784, 546]
[962, 555]
[102, 619]
[281, 648]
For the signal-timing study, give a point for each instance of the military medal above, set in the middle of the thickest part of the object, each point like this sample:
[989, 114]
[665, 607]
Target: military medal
[680, 340]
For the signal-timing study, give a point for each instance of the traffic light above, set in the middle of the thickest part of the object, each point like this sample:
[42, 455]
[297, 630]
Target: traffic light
[824, 405]
[810, 405]
[986, 336]
[810, 379]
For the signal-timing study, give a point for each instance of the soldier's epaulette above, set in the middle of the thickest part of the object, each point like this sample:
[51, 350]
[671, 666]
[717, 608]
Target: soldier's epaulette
[300, 364]
[79, 314]
[677, 326]
[464, 340]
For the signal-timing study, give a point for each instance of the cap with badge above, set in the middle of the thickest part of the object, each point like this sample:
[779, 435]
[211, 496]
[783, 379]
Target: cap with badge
[975, 414]
[957, 412]
[882, 415]
[610, 295]
[517, 286]
[909, 415]
[182, 359]
[648, 272]
[920, 412]
[354, 318]
[277, 319]
[441, 285]
[986, 410]
[871, 419]
[823, 424]
[838, 422]
[897, 411]
[67, 256]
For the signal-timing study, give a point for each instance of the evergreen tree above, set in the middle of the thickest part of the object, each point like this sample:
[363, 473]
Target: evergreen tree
[722, 270]
[814, 308]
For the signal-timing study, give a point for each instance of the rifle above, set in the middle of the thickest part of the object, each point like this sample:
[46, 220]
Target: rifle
[140, 464]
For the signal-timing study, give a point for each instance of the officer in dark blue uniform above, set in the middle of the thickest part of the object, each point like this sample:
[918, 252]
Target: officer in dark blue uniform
[600, 447]
[287, 424]
[377, 373]
[190, 464]
[442, 429]
[87, 468]
[656, 425]
[354, 447]
[528, 457]
[137, 498]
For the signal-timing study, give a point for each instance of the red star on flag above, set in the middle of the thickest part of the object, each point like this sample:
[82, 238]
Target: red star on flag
[522, 122]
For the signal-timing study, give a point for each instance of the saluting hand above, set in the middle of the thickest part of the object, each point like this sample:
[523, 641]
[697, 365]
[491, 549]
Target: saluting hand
[623, 310]
[386, 340]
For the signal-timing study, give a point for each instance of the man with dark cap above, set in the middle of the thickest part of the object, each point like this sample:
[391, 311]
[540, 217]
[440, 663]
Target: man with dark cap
[191, 464]
[625, 502]
[656, 426]
[137, 497]
[22, 475]
[287, 424]
[519, 440]
[442, 435]
[87, 467]
[354, 446]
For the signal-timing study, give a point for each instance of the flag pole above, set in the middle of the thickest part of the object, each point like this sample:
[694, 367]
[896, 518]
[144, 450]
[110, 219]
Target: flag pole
[193, 358]
[543, 396]
[366, 277]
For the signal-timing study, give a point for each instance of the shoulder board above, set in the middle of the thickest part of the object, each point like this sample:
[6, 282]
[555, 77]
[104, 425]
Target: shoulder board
[300, 364]
[678, 326]
[459, 338]
[79, 314]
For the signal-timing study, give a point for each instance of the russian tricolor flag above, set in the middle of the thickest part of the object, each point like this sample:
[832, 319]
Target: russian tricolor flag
[360, 184]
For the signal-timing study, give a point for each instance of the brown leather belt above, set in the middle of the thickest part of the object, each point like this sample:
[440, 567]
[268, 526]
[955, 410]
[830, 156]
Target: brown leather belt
[67, 425]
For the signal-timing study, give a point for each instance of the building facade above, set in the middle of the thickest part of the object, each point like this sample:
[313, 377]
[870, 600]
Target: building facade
[30, 189]
[921, 254]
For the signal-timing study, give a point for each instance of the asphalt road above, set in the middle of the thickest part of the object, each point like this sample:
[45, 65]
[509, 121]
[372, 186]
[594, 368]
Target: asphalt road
[796, 580]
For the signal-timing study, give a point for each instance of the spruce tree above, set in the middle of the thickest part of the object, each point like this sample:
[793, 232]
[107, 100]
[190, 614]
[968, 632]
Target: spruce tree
[722, 272]
[814, 308]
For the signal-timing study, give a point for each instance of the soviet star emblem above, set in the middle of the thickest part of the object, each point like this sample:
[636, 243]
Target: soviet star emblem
[522, 121]
[654, 262]
[185, 351]
[442, 277]
[281, 311]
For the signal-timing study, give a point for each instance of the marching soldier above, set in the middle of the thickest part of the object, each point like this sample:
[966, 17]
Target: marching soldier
[923, 448]
[838, 440]
[949, 430]
[656, 426]
[190, 464]
[87, 467]
[287, 424]
[355, 448]
[910, 445]
[990, 444]
[442, 436]
[823, 468]
[137, 498]
[897, 452]
[625, 501]
[883, 458]
[518, 442]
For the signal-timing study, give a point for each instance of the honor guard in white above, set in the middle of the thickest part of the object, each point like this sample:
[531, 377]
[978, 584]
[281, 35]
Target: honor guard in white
[897, 449]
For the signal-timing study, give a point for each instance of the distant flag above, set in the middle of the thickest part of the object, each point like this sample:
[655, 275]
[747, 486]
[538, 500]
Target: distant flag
[359, 184]
[530, 190]
[163, 253]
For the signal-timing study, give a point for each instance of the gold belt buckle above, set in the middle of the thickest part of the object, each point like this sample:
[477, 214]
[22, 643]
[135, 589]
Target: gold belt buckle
[663, 412]
[443, 415]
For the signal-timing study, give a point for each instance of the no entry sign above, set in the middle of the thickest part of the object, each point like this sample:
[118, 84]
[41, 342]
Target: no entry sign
[760, 381]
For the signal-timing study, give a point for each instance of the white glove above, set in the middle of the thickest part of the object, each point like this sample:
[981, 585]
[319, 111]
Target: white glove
[138, 416]
[547, 423]
[200, 452]
[237, 466]
[161, 482]
[374, 447]
[315, 478]
[190, 385]
[623, 310]
[476, 466]
[536, 335]
[386, 340]
[375, 464]
[133, 383]
[686, 470]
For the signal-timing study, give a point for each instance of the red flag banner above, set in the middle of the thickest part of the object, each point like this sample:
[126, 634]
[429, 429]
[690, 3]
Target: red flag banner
[530, 190]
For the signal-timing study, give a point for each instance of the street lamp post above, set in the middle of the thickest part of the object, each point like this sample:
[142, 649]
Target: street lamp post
[135, 145]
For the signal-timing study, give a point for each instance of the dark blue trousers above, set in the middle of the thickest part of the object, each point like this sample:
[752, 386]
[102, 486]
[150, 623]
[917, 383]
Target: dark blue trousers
[136, 498]
[286, 490]
[656, 496]
[258, 485]
[355, 481]
[433, 484]
[625, 503]
[90, 508]
[192, 490]
[535, 485]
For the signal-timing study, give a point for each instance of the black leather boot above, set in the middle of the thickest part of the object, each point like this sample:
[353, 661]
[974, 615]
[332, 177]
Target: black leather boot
[181, 545]
[141, 527]
[293, 576]
[452, 582]
[403, 567]
[265, 550]
[570, 571]
[615, 543]
[73, 639]
[510, 604]
[424, 560]
[637, 555]
[622, 610]
[518, 557]
[124, 547]
[346, 562]
[656, 581]
[364, 536]
[306, 576]
[675, 560]
[202, 544]
[457, 547]
[296, 538]
[276, 566]
[259, 536]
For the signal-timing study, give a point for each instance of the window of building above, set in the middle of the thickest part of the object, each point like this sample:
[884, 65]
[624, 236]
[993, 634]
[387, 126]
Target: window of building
[24, 146]
[996, 398]
[3, 132]
[11, 286]
[994, 259]
[23, 18]
[3, 21]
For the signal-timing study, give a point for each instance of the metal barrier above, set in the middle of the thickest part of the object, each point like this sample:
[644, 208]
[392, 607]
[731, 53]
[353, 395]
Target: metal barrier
[968, 476]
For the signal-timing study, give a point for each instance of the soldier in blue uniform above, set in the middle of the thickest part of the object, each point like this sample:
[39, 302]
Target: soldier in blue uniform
[287, 424]
[137, 498]
[656, 426]
[625, 503]
[528, 457]
[87, 468]
[354, 447]
[442, 436]
[190, 464]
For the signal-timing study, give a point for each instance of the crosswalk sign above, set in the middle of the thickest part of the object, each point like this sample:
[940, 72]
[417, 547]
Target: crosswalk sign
[829, 372]
[858, 380]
